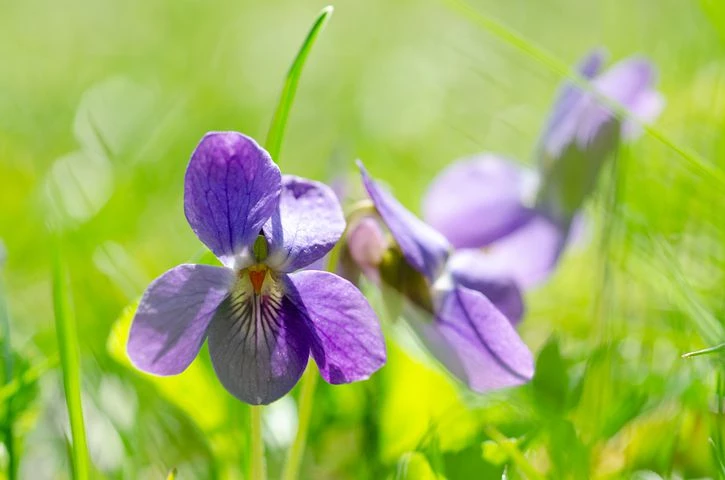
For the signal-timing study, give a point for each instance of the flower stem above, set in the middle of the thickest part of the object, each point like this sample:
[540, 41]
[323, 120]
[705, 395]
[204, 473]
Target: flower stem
[307, 395]
[286, 97]
[258, 467]
[65, 324]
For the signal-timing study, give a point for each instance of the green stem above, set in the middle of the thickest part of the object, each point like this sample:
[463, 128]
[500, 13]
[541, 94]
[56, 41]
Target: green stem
[279, 121]
[307, 395]
[66, 329]
[258, 467]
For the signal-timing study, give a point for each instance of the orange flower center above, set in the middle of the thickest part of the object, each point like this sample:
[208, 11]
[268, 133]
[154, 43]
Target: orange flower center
[256, 276]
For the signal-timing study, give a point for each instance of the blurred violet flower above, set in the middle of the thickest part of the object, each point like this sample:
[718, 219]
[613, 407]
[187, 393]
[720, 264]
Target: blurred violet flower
[261, 318]
[518, 220]
[468, 334]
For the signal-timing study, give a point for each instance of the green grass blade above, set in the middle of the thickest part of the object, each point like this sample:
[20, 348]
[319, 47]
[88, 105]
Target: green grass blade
[705, 351]
[279, 121]
[692, 159]
[66, 330]
[7, 354]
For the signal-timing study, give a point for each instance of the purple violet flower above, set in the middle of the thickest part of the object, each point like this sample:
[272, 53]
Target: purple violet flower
[520, 219]
[262, 319]
[468, 334]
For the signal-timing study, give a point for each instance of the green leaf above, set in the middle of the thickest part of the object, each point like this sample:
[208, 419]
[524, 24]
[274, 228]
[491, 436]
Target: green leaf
[438, 409]
[287, 96]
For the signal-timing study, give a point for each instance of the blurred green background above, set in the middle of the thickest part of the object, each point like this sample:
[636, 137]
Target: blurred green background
[102, 102]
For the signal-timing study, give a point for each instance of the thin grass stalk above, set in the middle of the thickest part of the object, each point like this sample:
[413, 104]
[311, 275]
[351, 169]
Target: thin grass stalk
[67, 332]
[287, 96]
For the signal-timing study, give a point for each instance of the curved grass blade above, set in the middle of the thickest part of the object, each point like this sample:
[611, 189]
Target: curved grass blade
[705, 351]
[7, 354]
[66, 330]
[692, 159]
[279, 121]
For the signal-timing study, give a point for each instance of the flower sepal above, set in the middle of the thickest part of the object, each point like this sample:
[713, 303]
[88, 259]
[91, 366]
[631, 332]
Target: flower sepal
[404, 282]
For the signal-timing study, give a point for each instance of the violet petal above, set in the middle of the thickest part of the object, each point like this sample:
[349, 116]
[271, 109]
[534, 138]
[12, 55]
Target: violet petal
[646, 108]
[258, 346]
[528, 256]
[476, 201]
[231, 188]
[171, 320]
[306, 225]
[424, 248]
[562, 123]
[469, 268]
[477, 343]
[346, 340]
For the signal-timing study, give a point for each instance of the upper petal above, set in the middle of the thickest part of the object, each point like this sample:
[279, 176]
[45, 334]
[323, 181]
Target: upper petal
[306, 225]
[231, 188]
[581, 116]
[423, 247]
[346, 340]
[627, 80]
[259, 345]
[478, 200]
[561, 121]
[476, 342]
[172, 317]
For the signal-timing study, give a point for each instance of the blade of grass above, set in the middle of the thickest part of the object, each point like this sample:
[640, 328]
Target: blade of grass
[279, 121]
[705, 351]
[7, 354]
[66, 330]
[692, 159]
